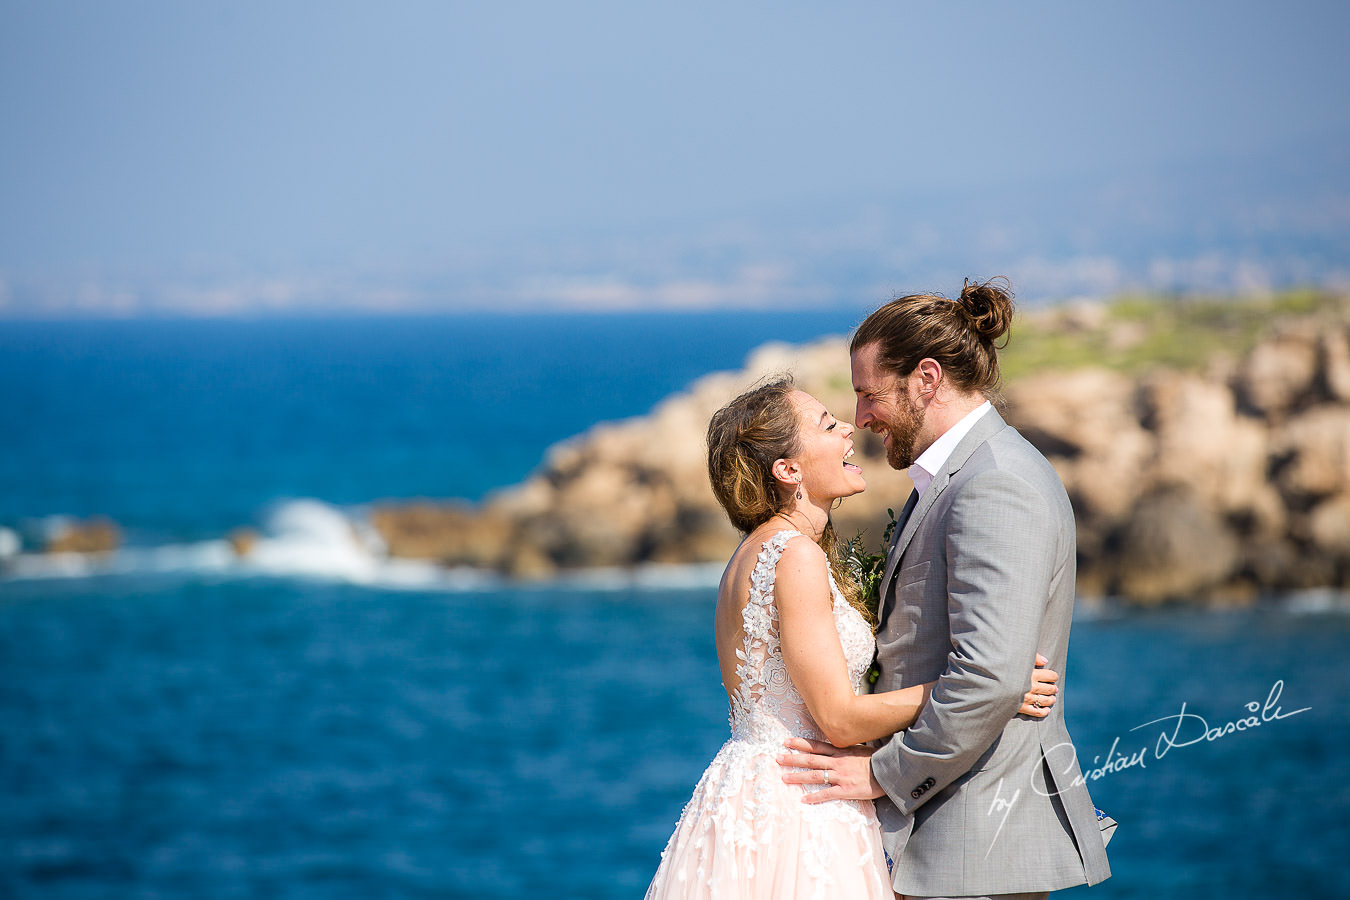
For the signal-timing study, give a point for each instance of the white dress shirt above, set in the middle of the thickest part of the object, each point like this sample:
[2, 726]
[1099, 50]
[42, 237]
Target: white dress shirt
[931, 461]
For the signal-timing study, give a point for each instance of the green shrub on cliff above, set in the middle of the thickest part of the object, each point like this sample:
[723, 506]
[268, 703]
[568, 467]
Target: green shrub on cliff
[1135, 333]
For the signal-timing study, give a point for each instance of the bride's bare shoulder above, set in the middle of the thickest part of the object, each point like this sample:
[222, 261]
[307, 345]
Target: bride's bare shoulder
[736, 577]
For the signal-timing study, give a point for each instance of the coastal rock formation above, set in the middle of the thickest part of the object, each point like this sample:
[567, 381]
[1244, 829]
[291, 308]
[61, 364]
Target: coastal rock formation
[1219, 483]
[242, 541]
[453, 535]
[94, 535]
[635, 491]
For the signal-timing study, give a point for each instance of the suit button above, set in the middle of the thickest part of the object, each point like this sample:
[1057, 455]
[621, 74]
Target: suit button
[916, 794]
[929, 783]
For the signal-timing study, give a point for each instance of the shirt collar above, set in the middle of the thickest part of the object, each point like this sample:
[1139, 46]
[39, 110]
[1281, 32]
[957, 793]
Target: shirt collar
[931, 461]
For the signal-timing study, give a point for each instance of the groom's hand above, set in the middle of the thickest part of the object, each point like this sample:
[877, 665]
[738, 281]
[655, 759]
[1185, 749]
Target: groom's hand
[847, 772]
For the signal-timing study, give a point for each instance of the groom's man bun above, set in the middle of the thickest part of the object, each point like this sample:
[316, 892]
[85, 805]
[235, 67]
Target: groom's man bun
[961, 334]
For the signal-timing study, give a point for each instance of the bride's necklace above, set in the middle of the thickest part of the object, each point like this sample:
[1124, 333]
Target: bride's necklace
[808, 531]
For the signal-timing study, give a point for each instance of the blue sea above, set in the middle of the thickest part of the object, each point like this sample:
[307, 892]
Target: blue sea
[176, 725]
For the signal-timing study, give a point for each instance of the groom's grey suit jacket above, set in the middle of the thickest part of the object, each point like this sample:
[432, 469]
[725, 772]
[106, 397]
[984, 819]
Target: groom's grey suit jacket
[980, 576]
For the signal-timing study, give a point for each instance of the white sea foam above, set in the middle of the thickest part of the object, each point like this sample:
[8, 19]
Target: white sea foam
[1317, 601]
[310, 539]
[307, 537]
[299, 539]
[50, 565]
[10, 545]
[206, 556]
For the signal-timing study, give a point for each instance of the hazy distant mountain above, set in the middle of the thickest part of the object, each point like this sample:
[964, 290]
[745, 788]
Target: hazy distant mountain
[1241, 224]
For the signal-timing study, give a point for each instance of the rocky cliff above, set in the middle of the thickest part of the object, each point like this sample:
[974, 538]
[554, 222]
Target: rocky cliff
[1206, 448]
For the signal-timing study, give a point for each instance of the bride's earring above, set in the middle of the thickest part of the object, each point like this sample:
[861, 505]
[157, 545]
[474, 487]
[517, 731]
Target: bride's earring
[799, 491]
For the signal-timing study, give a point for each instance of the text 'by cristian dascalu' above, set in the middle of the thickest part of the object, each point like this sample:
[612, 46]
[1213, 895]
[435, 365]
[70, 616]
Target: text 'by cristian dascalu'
[1186, 728]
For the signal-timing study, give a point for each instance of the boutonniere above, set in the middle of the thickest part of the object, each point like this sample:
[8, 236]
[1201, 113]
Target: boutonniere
[867, 569]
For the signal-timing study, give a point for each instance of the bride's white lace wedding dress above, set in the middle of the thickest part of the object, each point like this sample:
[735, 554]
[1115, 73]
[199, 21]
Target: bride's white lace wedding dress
[745, 833]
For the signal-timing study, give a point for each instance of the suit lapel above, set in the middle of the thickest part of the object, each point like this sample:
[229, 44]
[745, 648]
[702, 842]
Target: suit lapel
[900, 524]
[989, 424]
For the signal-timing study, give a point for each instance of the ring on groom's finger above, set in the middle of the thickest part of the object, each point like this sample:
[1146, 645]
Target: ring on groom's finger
[826, 773]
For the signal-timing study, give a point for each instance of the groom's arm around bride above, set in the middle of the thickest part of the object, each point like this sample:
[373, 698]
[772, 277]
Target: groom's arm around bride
[978, 799]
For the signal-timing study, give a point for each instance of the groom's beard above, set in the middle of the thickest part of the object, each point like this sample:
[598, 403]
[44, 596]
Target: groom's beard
[904, 431]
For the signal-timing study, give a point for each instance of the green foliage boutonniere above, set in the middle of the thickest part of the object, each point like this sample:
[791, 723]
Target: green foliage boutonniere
[867, 569]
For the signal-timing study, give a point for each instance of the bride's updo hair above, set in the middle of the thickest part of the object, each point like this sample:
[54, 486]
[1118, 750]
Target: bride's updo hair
[745, 438]
[961, 334]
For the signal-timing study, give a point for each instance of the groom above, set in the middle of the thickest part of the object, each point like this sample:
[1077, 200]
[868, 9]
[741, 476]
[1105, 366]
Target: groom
[977, 801]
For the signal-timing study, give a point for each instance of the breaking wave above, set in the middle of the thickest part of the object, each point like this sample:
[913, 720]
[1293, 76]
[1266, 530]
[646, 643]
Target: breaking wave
[308, 538]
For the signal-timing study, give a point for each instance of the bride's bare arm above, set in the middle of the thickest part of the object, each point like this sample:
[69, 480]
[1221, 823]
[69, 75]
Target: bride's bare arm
[815, 659]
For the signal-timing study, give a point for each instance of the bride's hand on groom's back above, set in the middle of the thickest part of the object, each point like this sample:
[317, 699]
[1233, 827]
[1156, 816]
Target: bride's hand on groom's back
[1038, 701]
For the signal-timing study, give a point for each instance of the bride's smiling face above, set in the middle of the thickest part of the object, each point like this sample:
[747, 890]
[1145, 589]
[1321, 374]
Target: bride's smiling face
[826, 445]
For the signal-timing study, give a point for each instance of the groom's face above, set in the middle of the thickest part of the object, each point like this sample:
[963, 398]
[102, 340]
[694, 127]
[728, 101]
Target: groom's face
[884, 406]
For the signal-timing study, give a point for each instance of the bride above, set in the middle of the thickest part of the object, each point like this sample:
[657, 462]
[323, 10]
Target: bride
[794, 641]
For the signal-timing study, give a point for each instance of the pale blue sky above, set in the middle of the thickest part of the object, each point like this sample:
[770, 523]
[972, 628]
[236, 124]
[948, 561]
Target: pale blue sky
[472, 147]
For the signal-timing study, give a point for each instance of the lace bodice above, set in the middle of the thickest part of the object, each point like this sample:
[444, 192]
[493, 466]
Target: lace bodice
[766, 705]
[745, 832]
